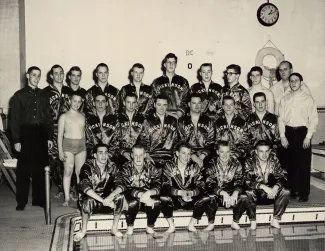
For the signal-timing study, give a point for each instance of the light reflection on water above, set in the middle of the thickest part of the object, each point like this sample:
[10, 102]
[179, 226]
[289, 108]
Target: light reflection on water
[289, 237]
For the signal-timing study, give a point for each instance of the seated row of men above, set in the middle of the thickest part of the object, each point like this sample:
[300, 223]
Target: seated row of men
[140, 185]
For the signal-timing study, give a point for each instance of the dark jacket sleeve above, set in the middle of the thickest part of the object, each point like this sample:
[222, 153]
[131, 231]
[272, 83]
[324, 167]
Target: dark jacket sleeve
[123, 178]
[209, 144]
[48, 116]
[85, 175]
[246, 105]
[238, 178]
[185, 97]
[15, 121]
[155, 177]
[199, 182]
[250, 176]
[144, 137]
[280, 174]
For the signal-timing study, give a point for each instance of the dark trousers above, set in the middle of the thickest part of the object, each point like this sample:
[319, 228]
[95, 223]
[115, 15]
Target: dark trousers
[32, 160]
[237, 210]
[258, 196]
[298, 161]
[199, 205]
[135, 206]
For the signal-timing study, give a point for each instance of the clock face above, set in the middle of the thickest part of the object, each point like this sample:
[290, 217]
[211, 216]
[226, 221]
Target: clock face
[267, 14]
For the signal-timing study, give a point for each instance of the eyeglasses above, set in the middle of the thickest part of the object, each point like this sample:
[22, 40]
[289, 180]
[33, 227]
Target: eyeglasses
[230, 73]
[283, 70]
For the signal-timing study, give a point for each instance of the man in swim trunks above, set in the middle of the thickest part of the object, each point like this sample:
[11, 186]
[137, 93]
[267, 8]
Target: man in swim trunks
[97, 178]
[72, 143]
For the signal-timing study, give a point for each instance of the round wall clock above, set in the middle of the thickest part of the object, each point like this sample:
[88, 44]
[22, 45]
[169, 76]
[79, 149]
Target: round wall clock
[268, 14]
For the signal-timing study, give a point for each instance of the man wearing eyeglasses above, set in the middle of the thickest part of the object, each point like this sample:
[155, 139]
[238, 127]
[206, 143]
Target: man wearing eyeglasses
[243, 105]
[173, 86]
[282, 88]
[298, 120]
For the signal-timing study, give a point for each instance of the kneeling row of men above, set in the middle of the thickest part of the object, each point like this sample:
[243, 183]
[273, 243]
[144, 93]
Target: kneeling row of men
[182, 183]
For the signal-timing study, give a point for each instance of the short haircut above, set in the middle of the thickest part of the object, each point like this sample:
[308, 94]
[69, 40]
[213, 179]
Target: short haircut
[161, 96]
[32, 68]
[297, 75]
[259, 94]
[285, 61]
[54, 67]
[223, 143]
[138, 65]
[73, 68]
[76, 93]
[262, 143]
[234, 67]
[100, 93]
[96, 147]
[256, 68]
[138, 146]
[183, 144]
[206, 65]
[101, 65]
[131, 94]
[227, 97]
[195, 95]
[170, 55]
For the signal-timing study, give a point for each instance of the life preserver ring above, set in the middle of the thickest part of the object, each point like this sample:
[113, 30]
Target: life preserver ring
[276, 53]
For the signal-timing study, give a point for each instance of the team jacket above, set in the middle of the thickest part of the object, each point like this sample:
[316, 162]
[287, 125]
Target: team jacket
[228, 180]
[110, 92]
[145, 95]
[173, 182]
[159, 140]
[132, 182]
[81, 91]
[59, 103]
[201, 138]
[267, 129]
[106, 133]
[236, 134]
[273, 175]
[129, 131]
[243, 105]
[92, 178]
[177, 91]
[211, 98]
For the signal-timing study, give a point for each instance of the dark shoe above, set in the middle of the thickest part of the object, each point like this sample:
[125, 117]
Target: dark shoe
[303, 199]
[20, 208]
[293, 196]
[38, 205]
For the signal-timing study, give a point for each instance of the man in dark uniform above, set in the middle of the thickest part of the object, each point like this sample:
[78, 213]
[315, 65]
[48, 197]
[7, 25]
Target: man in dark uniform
[198, 130]
[265, 179]
[142, 91]
[159, 134]
[98, 192]
[102, 127]
[231, 127]
[58, 96]
[131, 125]
[262, 125]
[211, 92]
[183, 187]
[73, 80]
[140, 181]
[32, 130]
[224, 183]
[243, 105]
[173, 86]
[101, 85]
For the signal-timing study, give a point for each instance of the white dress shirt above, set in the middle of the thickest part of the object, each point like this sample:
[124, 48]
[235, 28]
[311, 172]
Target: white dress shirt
[298, 109]
[279, 93]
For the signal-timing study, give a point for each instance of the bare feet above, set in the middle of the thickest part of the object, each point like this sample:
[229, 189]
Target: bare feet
[65, 204]
[150, 230]
[209, 228]
[129, 231]
[170, 230]
[58, 195]
[191, 228]
[275, 223]
[78, 237]
[253, 225]
[116, 233]
[235, 225]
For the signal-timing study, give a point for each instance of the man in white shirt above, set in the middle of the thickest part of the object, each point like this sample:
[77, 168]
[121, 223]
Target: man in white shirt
[282, 88]
[297, 122]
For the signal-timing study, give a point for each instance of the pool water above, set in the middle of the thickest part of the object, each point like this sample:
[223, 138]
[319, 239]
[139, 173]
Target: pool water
[290, 237]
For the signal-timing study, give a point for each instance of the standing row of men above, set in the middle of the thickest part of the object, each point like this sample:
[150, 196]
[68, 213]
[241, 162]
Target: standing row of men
[172, 110]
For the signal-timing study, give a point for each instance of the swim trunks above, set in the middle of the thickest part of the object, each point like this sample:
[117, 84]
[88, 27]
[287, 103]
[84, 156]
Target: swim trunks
[74, 146]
